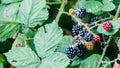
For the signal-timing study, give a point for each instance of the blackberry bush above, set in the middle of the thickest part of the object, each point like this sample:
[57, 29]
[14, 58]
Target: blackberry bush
[37, 33]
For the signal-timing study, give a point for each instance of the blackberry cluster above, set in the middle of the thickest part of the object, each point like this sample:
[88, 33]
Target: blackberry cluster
[78, 50]
[80, 12]
[78, 30]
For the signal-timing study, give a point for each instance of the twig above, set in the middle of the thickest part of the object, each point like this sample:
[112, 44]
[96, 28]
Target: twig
[117, 14]
[60, 12]
[107, 63]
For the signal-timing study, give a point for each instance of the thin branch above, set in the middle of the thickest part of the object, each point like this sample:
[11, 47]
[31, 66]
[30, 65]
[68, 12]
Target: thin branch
[60, 12]
[107, 63]
[118, 12]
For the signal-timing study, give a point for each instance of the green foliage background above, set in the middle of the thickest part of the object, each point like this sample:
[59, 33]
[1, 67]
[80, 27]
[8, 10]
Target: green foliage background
[32, 24]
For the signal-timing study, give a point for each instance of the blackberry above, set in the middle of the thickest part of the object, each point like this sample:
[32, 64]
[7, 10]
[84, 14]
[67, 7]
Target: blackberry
[79, 45]
[70, 52]
[97, 38]
[94, 19]
[89, 46]
[76, 29]
[107, 26]
[71, 11]
[82, 33]
[80, 12]
[88, 37]
[81, 50]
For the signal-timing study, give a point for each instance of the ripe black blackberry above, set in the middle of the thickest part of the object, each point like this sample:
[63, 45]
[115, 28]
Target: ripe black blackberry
[94, 19]
[88, 37]
[82, 33]
[70, 52]
[81, 50]
[76, 29]
[80, 12]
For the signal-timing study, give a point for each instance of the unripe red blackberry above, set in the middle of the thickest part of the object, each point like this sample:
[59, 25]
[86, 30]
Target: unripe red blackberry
[107, 26]
[97, 38]
[116, 65]
[89, 46]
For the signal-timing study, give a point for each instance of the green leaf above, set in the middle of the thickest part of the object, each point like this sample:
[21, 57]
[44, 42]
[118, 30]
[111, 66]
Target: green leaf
[92, 61]
[56, 60]
[106, 1]
[92, 6]
[76, 61]
[65, 42]
[22, 57]
[108, 6]
[8, 29]
[47, 38]
[36, 12]
[9, 1]
[115, 29]
[9, 12]
[118, 33]
[118, 44]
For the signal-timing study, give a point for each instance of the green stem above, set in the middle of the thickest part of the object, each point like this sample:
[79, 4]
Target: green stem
[118, 12]
[60, 12]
